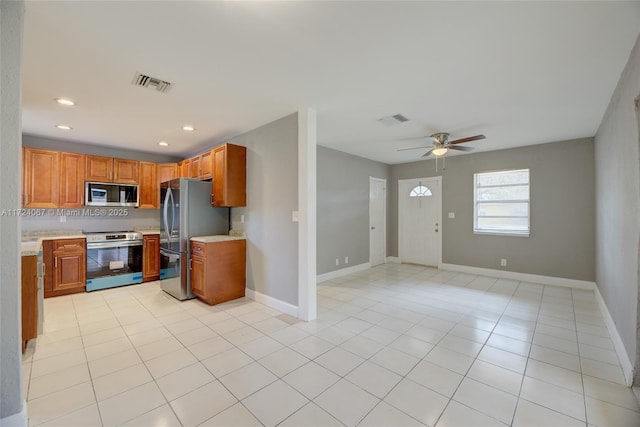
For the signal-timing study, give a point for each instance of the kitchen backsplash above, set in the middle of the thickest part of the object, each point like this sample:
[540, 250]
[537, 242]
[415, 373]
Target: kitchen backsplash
[92, 219]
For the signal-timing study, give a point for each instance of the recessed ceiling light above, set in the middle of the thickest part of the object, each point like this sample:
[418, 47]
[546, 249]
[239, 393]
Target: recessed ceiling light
[64, 127]
[188, 128]
[65, 101]
[164, 144]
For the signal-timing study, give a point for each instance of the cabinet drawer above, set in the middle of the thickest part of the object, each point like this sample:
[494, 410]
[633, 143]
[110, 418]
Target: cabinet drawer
[198, 249]
[69, 245]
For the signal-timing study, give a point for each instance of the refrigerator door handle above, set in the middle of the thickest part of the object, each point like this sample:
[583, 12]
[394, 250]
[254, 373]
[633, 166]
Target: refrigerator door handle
[173, 213]
[165, 219]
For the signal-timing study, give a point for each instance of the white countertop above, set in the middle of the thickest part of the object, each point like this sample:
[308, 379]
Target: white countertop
[219, 238]
[147, 232]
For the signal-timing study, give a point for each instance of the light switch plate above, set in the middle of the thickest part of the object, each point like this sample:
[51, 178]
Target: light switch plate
[452, 215]
[294, 216]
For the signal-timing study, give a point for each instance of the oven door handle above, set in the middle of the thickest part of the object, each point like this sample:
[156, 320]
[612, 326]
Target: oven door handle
[114, 245]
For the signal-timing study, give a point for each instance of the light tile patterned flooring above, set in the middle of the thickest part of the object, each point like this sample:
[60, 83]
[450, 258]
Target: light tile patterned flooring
[396, 345]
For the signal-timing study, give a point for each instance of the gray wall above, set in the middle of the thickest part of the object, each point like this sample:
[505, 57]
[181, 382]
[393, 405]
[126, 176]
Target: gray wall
[343, 208]
[617, 202]
[11, 20]
[561, 243]
[34, 141]
[272, 194]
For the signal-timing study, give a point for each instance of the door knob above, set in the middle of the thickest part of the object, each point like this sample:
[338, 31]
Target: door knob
[436, 230]
[373, 228]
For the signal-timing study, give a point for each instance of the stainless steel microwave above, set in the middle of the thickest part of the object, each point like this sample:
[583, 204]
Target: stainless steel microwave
[110, 194]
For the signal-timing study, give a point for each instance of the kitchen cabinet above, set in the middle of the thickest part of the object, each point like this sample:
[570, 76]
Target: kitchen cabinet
[71, 180]
[65, 266]
[148, 186]
[201, 166]
[167, 172]
[218, 270]
[109, 169]
[150, 257]
[194, 170]
[29, 277]
[229, 176]
[99, 169]
[185, 168]
[125, 171]
[40, 178]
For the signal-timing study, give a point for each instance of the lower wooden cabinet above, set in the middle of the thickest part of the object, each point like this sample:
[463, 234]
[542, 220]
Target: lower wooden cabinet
[150, 257]
[29, 298]
[218, 270]
[65, 266]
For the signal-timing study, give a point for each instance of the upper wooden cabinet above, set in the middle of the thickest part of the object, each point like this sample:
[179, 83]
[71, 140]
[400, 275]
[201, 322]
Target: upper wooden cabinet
[108, 169]
[71, 176]
[40, 178]
[125, 171]
[167, 172]
[99, 169]
[229, 176]
[201, 166]
[149, 189]
[185, 168]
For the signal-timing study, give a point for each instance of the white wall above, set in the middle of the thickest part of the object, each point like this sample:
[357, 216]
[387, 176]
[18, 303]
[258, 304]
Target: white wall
[11, 404]
[618, 208]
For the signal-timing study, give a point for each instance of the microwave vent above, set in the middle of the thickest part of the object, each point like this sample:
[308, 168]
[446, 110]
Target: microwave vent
[149, 82]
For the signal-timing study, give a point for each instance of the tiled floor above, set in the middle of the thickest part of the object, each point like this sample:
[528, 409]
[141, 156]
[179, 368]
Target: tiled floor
[395, 345]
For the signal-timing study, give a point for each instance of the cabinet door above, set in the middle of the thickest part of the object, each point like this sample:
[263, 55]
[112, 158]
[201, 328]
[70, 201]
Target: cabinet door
[149, 190]
[69, 270]
[167, 172]
[198, 274]
[40, 178]
[185, 169]
[99, 169]
[195, 167]
[29, 298]
[229, 176]
[206, 165]
[151, 257]
[125, 171]
[71, 180]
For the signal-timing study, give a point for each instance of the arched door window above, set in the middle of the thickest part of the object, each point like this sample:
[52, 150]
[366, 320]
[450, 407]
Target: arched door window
[420, 191]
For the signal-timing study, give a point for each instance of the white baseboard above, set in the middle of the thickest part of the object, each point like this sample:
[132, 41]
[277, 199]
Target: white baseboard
[623, 357]
[522, 277]
[342, 272]
[16, 420]
[393, 260]
[272, 302]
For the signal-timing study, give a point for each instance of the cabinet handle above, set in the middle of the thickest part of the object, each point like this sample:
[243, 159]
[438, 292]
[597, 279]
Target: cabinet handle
[190, 264]
[55, 264]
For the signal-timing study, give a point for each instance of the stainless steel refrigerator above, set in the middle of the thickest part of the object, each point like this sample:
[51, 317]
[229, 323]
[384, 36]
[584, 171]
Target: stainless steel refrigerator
[185, 212]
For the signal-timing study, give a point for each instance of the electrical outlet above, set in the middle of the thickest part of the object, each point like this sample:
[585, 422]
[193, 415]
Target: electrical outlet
[63, 218]
[452, 215]
[294, 216]
[503, 262]
[337, 261]
[242, 218]
[346, 260]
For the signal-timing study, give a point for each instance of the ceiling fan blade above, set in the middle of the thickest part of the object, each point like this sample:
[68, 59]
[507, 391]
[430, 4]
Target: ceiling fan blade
[460, 148]
[414, 148]
[428, 153]
[467, 139]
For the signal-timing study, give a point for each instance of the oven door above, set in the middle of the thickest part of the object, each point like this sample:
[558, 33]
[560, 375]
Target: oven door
[113, 264]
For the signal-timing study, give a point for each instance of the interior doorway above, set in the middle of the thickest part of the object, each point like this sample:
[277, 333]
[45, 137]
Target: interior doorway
[419, 220]
[377, 221]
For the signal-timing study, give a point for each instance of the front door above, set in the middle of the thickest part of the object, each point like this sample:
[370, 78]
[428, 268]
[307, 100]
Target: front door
[419, 207]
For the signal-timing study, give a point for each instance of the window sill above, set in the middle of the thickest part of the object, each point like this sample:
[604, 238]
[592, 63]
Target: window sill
[499, 233]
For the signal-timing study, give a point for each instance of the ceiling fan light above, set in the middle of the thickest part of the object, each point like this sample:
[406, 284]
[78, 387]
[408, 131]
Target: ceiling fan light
[440, 151]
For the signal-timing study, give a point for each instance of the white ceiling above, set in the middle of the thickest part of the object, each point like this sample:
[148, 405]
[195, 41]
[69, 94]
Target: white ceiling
[520, 73]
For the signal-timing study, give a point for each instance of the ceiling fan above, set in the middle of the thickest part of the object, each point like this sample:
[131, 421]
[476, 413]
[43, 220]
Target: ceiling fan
[441, 144]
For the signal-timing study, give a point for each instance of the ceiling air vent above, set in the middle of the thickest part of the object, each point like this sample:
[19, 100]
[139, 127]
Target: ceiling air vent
[151, 83]
[393, 120]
